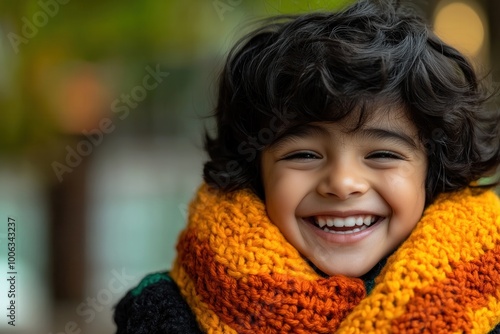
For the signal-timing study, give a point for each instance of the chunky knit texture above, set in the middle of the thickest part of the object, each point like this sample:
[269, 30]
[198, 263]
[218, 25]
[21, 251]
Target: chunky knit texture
[239, 274]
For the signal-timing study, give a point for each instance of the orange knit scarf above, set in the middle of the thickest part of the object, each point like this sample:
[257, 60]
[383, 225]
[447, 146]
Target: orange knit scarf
[239, 274]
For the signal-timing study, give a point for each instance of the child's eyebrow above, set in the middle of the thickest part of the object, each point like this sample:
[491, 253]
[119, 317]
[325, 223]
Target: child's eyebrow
[377, 133]
[299, 131]
[307, 130]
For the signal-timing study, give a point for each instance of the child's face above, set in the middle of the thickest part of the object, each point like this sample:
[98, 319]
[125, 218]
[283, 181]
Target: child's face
[342, 181]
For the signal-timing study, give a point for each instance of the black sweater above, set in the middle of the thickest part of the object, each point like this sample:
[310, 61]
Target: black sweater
[155, 306]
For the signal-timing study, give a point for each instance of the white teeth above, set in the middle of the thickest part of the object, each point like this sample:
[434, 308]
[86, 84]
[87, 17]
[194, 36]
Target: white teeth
[350, 221]
[368, 220]
[357, 229]
[345, 222]
[338, 222]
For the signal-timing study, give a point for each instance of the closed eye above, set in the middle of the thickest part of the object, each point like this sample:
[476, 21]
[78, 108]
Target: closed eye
[385, 155]
[302, 156]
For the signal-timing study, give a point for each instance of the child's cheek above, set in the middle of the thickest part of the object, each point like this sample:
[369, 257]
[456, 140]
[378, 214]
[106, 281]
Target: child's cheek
[406, 174]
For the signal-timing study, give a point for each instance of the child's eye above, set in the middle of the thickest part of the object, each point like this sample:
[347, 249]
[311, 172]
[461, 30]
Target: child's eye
[302, 156]
[385, 155]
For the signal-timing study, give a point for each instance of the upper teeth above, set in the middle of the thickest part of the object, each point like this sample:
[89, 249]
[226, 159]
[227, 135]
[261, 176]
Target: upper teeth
[346, 221]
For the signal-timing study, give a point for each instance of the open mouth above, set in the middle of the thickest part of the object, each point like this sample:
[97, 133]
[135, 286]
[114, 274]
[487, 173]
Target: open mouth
[344, 225]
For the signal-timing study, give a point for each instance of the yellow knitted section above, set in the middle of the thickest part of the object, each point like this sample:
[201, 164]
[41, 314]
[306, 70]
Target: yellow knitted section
[485, 316]
[243, 238]
[451, 231]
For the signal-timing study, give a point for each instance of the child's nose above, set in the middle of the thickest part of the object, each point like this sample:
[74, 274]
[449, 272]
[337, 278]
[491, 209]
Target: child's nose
[343, 180]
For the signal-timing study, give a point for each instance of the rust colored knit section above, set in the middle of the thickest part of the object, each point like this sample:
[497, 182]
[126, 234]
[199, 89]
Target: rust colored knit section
[268, 303]
[445, 304]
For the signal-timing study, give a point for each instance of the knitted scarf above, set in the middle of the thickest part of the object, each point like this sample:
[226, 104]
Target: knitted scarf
[239, 274]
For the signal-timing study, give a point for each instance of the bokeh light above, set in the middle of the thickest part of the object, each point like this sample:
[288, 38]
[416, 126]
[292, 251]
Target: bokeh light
[462, 25]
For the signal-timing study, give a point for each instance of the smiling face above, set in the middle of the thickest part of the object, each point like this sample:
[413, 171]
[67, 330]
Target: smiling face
[345, 199]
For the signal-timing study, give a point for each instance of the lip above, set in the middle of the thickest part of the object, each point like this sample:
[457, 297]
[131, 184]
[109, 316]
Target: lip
[344, 238]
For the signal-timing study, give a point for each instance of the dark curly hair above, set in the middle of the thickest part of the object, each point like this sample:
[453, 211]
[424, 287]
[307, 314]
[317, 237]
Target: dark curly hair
[322, 66]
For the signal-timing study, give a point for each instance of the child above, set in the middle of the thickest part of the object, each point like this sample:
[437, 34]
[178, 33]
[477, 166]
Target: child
[340, 194]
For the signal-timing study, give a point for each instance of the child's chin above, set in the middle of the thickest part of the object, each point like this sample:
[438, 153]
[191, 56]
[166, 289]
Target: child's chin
[327, 273]
[317, 270]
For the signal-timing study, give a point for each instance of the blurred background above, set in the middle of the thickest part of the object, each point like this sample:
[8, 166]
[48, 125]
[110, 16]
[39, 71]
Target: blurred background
[102, 107]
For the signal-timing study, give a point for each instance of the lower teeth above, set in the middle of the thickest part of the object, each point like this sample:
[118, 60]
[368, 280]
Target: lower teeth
[364, 227]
